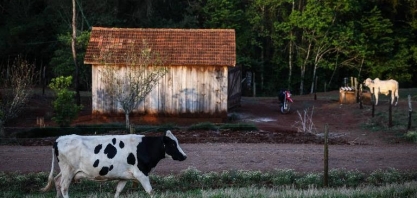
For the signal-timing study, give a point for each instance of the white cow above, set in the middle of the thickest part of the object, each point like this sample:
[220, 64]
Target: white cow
[383, 86]
[110, 157]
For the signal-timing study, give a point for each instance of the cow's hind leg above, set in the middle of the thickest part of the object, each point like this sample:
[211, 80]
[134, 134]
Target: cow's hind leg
[396, 96]
[57, 181]
[66, 178]
[120, 185]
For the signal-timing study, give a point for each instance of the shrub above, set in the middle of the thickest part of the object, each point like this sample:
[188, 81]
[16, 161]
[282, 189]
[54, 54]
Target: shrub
[412, 136]
[310, 180]
[202, 126]
[341, 177]
[284, 177]
[381, 177]
[64, 106]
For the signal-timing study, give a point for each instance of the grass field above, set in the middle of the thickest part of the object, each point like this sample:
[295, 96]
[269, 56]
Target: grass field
[193, 183]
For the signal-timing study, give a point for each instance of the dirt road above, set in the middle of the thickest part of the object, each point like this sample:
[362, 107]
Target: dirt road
[264, 157]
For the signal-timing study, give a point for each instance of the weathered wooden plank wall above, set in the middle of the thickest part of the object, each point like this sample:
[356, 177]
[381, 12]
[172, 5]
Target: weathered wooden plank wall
[189, 91]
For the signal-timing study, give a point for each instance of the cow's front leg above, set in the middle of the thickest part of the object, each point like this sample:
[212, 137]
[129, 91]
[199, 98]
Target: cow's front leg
[120, 187]
[144, 180]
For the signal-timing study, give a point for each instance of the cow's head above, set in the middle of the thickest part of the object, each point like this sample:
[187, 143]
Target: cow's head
[368, 82]
[172, 147]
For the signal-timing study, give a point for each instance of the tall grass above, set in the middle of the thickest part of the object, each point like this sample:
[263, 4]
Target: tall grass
[407, 189]
[232, 183]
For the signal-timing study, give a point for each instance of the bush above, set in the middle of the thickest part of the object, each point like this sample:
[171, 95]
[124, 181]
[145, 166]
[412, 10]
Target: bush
[381, 177]
[202, 126]
[310, 180]
[284, 177]
[412, 136]
[64, 106]
[340, 178]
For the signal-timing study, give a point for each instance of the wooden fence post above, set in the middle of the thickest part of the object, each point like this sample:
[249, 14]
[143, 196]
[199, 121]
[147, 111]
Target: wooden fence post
[410, 111]
[326, 156]
[390, 111]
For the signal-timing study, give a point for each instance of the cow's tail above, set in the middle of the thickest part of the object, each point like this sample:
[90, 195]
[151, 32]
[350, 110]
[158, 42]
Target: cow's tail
[51, 176]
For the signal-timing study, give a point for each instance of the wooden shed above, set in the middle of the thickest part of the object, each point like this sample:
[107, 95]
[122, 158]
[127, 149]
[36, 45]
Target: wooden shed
[198, 61]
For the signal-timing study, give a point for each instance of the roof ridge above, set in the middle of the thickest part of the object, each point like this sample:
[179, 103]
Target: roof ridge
[162, 29]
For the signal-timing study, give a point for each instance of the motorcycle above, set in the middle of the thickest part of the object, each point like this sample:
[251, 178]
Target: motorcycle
[286, 100]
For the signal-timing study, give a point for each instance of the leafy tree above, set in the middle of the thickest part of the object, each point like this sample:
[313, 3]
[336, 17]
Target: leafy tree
[65, 108]
[267, 56]
[268, 42]
[366, 43]
[316, 23]
[64, 63]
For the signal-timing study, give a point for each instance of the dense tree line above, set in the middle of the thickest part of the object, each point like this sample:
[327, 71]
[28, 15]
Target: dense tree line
[284, 43]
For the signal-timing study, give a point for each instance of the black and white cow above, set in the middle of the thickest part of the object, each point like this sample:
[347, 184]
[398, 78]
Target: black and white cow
[110, 157]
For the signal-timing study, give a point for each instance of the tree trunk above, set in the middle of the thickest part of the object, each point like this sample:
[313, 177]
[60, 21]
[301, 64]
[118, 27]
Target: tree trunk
[127, 119]
[303, 69]
[74, 53]
[334, 70]
[2, 134]
[290, 54]
[290, 65]
[314, 77]
[360, 68]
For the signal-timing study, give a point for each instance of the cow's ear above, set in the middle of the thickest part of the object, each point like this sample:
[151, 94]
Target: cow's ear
[168, 133]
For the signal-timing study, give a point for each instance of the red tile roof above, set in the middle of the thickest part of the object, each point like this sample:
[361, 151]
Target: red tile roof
[215, 47]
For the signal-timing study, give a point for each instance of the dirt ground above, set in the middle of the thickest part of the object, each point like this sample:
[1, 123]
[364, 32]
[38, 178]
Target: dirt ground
[276, 145]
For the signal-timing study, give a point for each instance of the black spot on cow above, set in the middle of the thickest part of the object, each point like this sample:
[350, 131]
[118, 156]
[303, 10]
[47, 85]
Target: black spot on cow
[96, 163]
[131, 159]
[97, 148]
[104, 170]
[121, 144]
[110, 150]
[113, 141]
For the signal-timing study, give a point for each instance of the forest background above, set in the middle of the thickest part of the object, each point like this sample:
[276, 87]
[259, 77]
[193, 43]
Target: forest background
[301, 45]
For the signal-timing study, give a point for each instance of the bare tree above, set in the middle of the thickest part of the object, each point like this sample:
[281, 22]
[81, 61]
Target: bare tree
[129, 85]
[15, 90]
